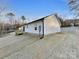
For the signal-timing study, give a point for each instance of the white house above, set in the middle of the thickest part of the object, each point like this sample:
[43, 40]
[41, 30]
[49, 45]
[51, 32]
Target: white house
[44, 26]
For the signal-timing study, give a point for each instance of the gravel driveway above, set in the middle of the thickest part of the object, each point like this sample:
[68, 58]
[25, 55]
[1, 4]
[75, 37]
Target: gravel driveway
[53, 46]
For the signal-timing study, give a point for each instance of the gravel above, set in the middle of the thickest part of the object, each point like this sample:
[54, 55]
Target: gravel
[53, 46]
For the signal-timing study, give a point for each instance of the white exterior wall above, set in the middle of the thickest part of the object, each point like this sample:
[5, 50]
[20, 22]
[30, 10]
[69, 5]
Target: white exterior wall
[31, 27]
[51, 25]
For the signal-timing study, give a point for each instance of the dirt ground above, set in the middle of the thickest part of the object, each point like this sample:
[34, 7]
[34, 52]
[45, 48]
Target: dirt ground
[11, 43]
[53, 46]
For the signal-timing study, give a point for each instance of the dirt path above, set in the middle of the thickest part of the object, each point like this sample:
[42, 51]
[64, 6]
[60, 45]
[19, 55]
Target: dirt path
[12, 43]
[40, 49]
[54, 46]
[68, 49]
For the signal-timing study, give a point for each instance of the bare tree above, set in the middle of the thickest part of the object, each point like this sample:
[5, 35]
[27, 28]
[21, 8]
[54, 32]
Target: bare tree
[3, 6]
[11, 18]
[2, 9]
[74, 7]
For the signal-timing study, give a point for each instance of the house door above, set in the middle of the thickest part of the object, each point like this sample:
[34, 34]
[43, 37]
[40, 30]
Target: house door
[40, 31]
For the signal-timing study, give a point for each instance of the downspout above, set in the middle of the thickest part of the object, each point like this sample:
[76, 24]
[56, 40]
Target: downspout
[42, 29]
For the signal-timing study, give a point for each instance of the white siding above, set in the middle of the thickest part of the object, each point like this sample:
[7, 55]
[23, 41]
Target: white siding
[31, 27]
[51, 25]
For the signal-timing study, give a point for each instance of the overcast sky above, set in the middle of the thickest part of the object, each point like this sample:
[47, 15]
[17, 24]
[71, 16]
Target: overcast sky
[34, 9]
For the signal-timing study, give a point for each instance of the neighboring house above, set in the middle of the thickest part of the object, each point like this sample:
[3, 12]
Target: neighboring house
[70, 22]
[76, 22]
[44, 26]
[70, 25]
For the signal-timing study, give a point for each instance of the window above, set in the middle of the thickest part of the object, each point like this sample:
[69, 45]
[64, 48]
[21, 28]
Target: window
[35, 28]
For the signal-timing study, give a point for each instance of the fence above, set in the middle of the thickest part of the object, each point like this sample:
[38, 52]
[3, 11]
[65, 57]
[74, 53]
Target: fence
[70, 29]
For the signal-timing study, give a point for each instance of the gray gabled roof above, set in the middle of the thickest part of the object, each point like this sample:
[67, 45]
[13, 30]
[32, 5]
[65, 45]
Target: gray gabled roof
[58, 18]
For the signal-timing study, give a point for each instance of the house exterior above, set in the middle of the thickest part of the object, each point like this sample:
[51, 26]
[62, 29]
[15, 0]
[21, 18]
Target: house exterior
[44, 26]
[70, 25]
[76, 22]
[70, 22]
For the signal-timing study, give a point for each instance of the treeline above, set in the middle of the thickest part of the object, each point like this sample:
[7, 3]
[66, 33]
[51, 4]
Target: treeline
[12, 23]
[7, 27]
